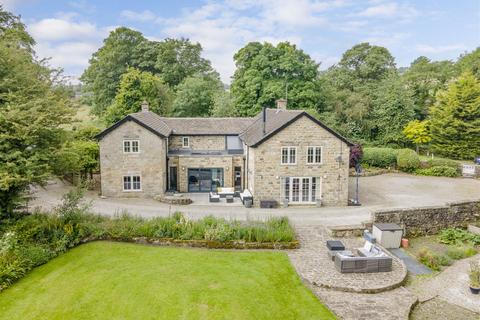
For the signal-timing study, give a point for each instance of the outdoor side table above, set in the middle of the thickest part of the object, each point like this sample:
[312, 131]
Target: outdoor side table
[335, 245]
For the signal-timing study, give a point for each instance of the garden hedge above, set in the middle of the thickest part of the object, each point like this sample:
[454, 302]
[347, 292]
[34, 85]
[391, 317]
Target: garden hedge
[379, 157]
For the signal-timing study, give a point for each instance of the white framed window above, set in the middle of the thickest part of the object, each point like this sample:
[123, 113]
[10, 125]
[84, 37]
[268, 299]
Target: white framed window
[289, 155]
[185, 142]
[132, 183]
[314, 155]
[131, 146]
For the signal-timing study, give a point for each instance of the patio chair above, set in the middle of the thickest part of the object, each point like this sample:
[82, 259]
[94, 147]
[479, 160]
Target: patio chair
[213, 197]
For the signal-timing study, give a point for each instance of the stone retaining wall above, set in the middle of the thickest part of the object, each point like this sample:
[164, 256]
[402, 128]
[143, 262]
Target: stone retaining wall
[430, 220]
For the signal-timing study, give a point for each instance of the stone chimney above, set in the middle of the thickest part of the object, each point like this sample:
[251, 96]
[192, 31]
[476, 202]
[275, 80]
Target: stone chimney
[281, 104]
[144, 106]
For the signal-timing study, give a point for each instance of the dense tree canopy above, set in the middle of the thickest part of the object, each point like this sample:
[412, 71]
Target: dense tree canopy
[195, 97]
[109, 63]
[455, 119]
[366, 99]
[425, 78]
[135, 87]
[265, 73]
[171, 60]
[32, 111]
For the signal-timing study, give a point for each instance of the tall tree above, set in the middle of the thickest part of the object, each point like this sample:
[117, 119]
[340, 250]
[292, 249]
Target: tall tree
[425, 78]
[223, 104]
[470, 62]
[32, 112]
[135, 87]
[102, 77]
[365, 97]
[195, 96]
[455, 119]
[364, 63]
[172, 60]
[265, 73]
[177, 59]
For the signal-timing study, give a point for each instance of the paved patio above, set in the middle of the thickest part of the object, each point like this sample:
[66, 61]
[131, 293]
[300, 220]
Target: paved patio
[314, 265]
[345, 294]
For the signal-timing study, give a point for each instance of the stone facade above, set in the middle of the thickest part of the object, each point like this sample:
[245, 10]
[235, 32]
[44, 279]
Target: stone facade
[261, 168]
[198, 143]
[225, 162]
[149, 163]
[265, 170]
[430, 220]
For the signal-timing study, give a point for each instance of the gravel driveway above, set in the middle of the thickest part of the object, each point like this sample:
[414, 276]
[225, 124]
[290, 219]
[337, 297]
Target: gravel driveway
[377, 192]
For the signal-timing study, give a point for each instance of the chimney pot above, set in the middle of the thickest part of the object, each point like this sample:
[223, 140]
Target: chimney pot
[144, 106]
[281, 104]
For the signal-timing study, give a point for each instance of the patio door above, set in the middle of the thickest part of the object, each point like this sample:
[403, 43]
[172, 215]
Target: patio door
[204, 179]
[300, 189]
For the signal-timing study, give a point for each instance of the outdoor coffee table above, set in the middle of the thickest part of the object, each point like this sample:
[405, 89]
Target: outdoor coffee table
[229, 198]
[335, 245]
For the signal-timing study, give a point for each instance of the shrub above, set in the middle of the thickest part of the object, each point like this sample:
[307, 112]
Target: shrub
[457, 253]
[407, 160]
[432, 260]
[458, 237]
[379, 157]
[438, 171]
[435, 162]
[474, 274]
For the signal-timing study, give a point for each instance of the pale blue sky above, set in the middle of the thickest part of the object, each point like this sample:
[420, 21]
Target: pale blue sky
[70, 31]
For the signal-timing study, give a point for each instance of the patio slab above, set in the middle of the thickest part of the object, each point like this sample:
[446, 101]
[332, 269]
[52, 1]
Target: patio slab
[451, 285]
[313, 264]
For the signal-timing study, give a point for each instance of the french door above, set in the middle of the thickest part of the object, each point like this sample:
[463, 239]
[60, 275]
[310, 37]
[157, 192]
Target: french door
[300, 189]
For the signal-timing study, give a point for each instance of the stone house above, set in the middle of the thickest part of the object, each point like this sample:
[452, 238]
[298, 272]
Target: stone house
[281, 155]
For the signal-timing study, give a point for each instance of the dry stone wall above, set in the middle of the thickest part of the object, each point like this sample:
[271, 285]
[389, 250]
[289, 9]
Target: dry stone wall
[430, 220]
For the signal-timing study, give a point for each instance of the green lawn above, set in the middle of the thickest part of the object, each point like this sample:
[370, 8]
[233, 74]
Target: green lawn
[107, 280]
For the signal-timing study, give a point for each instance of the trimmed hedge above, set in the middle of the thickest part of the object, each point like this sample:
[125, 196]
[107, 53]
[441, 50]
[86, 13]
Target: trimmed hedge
[438, 171]
[380, 157]
[407, 160]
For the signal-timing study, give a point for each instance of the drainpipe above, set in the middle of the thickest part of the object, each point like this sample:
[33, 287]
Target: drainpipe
[167, 182]
[264, 118]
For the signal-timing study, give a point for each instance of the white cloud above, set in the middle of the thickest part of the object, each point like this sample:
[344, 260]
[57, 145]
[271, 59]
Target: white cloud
[11, 4]
[54, 29]
[67, 43]
[387, 40]
[143, 16]
[423, 48]
[223, 28]
[389, 10]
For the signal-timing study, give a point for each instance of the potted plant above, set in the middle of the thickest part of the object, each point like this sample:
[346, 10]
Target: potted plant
[475, 277]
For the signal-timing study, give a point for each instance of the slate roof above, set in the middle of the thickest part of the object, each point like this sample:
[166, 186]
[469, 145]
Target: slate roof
[207, 126]
[276, 120]
[165, 127]
[250, 130]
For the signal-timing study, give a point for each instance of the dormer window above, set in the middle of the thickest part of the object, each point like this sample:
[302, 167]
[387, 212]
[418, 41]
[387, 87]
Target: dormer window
[185, 142]
[131, 146]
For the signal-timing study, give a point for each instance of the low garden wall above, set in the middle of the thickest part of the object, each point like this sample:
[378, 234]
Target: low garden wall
[210, 244]
[430, 220]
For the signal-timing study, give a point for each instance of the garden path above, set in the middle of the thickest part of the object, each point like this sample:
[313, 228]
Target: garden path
[345, 294]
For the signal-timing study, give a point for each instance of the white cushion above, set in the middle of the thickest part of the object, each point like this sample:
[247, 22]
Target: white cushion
[368, 246]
